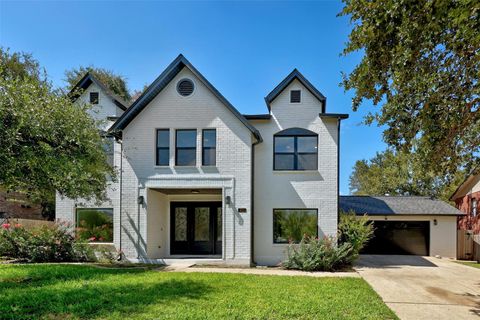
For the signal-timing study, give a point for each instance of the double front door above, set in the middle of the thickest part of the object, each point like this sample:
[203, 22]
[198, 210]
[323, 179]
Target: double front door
[196, 228]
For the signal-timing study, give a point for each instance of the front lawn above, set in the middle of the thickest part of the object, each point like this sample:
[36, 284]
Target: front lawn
[54, 291]
[470, 263]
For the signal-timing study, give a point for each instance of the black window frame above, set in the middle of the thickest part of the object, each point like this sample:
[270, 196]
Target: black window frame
[209, 148]
[295, 133]
[185, 148]
[157, 148]
[93, 101]
[77, 221]
[291, 209]
[299, 96]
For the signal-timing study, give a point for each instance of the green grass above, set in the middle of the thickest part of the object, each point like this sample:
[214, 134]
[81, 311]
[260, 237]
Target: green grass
[470, 263]
[55, 291]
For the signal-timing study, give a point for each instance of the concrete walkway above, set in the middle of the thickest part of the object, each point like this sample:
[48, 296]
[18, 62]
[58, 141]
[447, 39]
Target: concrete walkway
[185, 267]
[424, 287]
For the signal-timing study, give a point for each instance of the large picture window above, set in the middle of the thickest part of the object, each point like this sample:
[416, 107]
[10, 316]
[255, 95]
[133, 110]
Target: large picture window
[95, 224]
[186, 148]
[163, 147]
[295, 149]
[209, 147]
[289, 225]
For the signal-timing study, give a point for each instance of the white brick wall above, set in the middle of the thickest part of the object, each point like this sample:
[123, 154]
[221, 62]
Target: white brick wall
[199, 111]
[279, 189]
[232, 174]
[64, 207]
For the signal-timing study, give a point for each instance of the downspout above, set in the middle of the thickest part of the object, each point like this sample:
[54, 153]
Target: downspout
[338, 171]
[252, 203]
[120, 197]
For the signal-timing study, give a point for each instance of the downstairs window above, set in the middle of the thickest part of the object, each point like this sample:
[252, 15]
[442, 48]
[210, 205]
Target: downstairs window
[289, 225]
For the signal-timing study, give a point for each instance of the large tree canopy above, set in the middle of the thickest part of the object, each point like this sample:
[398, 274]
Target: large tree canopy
[116, 83]
[47, 142]
[398, 173]
[421, 63]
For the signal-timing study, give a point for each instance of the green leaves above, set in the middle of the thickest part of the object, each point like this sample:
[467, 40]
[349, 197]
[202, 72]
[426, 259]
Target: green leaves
[401, 173]
[421, 63]
[48, 143]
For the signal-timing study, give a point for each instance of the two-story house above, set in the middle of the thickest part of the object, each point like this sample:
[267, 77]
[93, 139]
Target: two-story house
[199, 179]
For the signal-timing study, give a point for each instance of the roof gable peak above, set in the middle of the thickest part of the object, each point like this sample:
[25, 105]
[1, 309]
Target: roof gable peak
[295, 74]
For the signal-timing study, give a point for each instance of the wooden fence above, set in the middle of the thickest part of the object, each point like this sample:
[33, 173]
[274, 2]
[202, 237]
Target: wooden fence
[468, 245]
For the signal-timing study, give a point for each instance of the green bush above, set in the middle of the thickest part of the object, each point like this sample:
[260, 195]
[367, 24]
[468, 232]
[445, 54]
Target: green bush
[354, 230]
[313, 254]
[331, 254]
[42, 244]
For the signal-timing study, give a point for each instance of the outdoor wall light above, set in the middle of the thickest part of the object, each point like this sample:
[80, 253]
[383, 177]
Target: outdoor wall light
[140, 200]
[228, 200]
[435, 222]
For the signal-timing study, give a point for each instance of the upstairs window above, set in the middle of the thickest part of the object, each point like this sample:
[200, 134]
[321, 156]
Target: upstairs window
[186, 148]
[209, 147]
[108, 148]
[295, 96]
[163, 147]
[93, 97]
[295, 149]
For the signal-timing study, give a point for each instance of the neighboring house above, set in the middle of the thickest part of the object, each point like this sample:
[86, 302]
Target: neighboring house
[467, 199]
[199, 179]
[17, 205]
[408, 224]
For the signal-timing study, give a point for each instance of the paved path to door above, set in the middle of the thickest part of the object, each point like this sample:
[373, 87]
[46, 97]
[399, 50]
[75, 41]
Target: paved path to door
[424, 287]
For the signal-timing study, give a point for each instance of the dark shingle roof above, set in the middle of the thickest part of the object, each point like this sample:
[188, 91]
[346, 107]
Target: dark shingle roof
[161, 82]
[399, 205]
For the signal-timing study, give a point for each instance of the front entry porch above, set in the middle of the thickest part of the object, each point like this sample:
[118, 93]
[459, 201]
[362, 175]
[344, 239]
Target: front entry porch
[196, 228]
[184, 224]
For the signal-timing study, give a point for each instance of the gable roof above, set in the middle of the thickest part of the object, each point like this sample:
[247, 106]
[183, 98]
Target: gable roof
[295, 74]
[161, 82]
[87, 80]
[397, 205]
[469, 179]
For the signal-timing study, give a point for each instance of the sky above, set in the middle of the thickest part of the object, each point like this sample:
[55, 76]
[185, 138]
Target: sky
[243, 48]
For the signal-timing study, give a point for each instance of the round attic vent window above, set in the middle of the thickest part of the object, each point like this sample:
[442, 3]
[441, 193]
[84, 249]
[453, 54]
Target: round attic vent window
[185, 87]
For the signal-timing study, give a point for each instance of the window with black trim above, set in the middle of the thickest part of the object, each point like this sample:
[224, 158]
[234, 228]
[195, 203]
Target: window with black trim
[94, 98]
[186, 147]
[163, 147]
[108, 144]
[209, 147]
[295, 149]
[295, 96]
[290, 225]
[95, 224]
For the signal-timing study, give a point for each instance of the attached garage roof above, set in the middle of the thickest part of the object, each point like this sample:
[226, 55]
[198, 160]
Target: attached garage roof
[397, 205]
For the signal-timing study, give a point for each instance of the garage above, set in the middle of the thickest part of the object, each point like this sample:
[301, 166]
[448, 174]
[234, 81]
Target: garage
[400, 237]
[407, 225]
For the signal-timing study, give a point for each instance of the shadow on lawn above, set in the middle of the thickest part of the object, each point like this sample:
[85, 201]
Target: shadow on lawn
[96, 293]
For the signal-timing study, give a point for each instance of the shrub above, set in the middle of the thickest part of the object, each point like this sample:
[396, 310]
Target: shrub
[330, 254]
[354, 230]
[313, 254]
[42, 244]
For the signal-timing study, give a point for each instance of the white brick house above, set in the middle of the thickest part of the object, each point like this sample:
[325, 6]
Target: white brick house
[199, 179]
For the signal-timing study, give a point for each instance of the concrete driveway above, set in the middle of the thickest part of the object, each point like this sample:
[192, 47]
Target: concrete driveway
[423, 287]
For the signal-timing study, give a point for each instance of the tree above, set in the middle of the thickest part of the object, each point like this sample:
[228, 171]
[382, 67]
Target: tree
[114, 82]
[398, 173]
[48, 143]
[421, 63]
